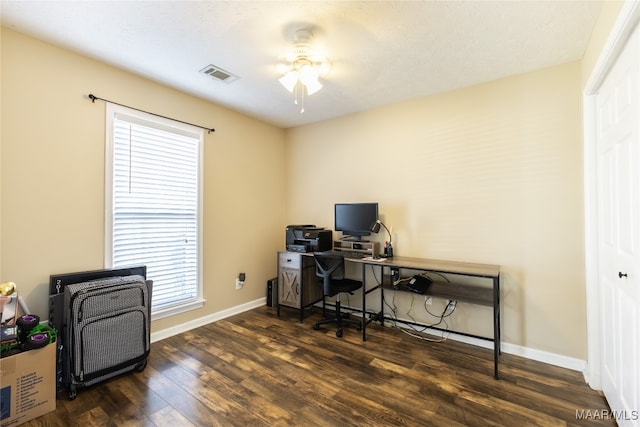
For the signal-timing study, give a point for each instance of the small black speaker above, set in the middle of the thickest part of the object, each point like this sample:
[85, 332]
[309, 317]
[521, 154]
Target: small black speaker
[272, 292]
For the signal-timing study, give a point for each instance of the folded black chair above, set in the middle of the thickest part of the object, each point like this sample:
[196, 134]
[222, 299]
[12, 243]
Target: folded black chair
[330, 268]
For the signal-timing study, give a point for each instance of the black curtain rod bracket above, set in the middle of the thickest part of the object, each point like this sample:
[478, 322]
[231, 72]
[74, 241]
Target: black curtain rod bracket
[93, 98]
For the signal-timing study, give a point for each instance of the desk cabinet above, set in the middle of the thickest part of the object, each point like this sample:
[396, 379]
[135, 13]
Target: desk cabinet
[297, 283]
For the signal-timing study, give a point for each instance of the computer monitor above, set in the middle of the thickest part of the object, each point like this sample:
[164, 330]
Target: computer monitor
[355, 219]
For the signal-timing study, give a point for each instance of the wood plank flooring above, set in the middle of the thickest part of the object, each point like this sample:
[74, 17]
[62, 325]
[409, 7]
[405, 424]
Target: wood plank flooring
[255, 369]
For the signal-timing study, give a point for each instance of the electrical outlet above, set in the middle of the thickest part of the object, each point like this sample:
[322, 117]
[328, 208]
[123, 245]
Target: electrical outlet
[395, 275]
[240, 280]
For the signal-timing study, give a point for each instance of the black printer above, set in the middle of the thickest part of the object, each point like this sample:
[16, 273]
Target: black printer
[308, 238]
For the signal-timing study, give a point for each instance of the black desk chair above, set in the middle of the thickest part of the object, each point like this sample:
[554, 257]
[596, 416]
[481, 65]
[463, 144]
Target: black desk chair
[330, 267]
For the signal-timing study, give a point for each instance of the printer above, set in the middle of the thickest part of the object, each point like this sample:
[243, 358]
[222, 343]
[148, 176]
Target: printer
[308, 238]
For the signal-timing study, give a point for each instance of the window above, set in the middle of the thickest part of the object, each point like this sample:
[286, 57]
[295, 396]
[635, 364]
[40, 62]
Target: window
[153, 205]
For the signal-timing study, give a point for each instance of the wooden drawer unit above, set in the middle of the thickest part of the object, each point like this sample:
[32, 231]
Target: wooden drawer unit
[290, 260]
[297, 283]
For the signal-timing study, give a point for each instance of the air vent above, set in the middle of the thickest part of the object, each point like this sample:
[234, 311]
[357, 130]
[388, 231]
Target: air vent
[219, 74]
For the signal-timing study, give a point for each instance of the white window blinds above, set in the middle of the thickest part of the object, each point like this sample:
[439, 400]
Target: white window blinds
[155, 207]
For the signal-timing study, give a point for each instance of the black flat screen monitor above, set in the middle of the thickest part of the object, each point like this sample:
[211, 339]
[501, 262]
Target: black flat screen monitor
[355, 219]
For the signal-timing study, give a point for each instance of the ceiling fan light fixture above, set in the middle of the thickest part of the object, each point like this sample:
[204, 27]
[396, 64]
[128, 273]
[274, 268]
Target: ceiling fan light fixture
[289, 80]
[313, 86]
[305, 67]
[308, 74]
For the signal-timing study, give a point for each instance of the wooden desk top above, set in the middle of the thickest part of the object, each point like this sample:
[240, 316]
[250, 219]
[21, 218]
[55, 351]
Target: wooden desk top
[440, 266]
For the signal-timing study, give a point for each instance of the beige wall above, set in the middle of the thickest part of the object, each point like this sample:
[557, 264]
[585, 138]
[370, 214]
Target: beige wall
[489, 174]
[52, 175]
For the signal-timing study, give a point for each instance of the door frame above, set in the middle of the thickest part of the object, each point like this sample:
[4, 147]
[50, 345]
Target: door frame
[627, 20]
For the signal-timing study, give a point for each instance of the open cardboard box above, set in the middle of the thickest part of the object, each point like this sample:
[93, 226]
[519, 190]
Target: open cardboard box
[27, 385]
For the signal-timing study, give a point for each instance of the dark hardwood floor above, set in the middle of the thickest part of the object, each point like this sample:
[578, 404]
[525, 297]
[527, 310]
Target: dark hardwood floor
[255, 369]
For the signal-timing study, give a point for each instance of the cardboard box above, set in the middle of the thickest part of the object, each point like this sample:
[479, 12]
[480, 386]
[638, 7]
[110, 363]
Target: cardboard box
[27, 385]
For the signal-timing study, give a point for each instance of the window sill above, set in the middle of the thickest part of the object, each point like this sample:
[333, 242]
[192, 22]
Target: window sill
[172, 311]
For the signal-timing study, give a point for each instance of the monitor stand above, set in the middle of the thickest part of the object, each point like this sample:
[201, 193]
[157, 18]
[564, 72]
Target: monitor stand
[364, 247]
[353, 239]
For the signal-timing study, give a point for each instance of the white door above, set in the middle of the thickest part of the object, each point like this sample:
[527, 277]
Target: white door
[617, 143]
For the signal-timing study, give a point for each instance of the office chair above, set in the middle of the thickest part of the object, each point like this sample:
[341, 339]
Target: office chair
[330, 268]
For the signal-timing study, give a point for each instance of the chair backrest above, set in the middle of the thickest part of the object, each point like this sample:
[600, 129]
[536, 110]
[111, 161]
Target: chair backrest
[329, 267]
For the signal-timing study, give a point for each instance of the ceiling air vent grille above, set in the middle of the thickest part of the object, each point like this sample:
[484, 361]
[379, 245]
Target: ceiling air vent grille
[219, 74]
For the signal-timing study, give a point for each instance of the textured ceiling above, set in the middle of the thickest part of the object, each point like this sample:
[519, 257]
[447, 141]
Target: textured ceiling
[382, 52]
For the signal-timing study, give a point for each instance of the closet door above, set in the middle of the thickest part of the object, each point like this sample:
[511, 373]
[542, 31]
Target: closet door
[618, 158]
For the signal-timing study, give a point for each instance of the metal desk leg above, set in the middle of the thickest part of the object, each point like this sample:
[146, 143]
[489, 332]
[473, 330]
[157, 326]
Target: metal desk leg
[381, 315]
[364, 304]
[496, 325]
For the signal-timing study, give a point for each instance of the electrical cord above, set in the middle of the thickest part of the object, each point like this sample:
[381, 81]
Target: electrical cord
[450, 304]
[442, 319]
[412, 330]
[408, 313]
[427, 275]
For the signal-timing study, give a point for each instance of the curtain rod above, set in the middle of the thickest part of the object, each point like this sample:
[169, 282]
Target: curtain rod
[93, 100]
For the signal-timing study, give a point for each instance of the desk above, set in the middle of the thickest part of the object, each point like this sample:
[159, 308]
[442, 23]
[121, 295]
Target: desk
[296, 286]
[448, 290]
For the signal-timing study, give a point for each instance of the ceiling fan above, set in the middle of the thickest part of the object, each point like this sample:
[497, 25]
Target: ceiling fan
[305, 64]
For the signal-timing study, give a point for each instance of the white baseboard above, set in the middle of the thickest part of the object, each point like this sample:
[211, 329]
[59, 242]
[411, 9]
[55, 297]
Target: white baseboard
[518, 350]
[546, 357]
[528, 353]
[184, 327]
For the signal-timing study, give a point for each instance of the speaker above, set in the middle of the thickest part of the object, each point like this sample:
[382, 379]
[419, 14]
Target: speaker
[272, 292]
